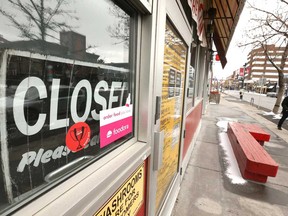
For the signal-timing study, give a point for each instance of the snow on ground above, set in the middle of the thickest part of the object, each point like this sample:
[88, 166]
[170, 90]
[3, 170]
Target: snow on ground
[275, 116]
[232, 171]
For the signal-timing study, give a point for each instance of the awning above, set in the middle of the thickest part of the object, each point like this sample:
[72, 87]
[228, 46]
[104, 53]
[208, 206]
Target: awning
[225, 22]
[220, 48]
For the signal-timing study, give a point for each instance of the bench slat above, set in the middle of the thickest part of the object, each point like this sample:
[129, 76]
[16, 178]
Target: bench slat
[257, 132]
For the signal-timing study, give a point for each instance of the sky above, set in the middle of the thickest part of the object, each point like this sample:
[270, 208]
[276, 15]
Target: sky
[236, 56]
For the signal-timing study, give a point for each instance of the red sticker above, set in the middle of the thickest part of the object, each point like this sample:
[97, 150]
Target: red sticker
[78, 136]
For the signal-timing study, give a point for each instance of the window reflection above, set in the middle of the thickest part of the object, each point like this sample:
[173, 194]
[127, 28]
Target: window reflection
[97, 31]
[190, 94]
[54, 74]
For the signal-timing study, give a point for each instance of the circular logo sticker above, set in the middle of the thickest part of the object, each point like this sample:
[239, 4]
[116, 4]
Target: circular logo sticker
[78, 136]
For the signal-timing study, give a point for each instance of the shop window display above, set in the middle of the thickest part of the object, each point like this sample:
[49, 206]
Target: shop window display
[55, 80]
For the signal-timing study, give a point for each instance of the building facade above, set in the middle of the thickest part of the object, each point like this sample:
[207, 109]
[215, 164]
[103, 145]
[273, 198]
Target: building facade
[101, 102]
[261, 69]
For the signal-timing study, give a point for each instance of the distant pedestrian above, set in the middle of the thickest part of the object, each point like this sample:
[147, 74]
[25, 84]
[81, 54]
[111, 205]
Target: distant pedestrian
[284, 105]
[241, 95]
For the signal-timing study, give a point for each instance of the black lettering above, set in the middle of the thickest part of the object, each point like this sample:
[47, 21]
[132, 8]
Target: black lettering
[133, 182]
[128, 187]
[140, 174]
[119, 199]
[109, 213]
[114, 204]
[124, 192]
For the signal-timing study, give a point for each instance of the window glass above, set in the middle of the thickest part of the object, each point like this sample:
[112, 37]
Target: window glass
[66, 90]
[190, 93]
[200, 72]
[173, 86]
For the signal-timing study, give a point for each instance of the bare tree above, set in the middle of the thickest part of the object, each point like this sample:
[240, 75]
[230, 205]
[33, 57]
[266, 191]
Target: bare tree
[40, 17]
[270, 26]
[120, 30]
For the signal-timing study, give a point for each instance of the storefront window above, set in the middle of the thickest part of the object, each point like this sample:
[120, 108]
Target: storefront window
[190, 93]
[66, 90]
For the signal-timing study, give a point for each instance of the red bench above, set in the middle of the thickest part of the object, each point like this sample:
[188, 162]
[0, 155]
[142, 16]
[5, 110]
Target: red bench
[253, 160]
[257, 132]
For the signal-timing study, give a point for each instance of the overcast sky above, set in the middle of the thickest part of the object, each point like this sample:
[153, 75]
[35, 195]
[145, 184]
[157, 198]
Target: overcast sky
[236, 57]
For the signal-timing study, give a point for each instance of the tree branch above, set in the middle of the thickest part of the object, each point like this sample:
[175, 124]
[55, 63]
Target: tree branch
[30, 15]
[267, 12]
[285, 2]
[37, 17]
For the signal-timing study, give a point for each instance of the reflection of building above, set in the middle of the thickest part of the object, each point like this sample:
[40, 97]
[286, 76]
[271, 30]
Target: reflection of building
[261, 67]
[72, 46]
[2, 40]
[76, 43]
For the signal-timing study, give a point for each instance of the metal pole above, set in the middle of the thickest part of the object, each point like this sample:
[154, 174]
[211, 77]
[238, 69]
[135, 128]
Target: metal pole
[262, 82]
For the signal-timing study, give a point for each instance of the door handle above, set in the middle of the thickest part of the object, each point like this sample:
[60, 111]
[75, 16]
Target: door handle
[158, 149]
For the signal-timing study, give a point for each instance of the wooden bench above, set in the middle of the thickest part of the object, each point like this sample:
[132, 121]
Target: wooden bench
[253, 160]
[257, 132]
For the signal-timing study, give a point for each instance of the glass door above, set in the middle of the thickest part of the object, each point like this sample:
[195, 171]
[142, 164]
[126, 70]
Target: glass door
[173, 83]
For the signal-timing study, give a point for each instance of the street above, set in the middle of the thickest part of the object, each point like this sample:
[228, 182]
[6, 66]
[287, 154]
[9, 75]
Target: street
[260, 100]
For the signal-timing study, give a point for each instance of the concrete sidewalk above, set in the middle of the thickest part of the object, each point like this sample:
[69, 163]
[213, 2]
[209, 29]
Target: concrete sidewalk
[208, 188]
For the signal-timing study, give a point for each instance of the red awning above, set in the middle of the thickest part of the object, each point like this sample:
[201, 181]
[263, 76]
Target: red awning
[220, 48]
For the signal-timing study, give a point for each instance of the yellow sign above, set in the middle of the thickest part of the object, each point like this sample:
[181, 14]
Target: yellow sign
[171, 109]
[128, 198]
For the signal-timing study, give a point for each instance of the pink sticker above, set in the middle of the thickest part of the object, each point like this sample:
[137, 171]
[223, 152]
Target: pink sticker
[78, 136]
[114, 131]
[115, 123]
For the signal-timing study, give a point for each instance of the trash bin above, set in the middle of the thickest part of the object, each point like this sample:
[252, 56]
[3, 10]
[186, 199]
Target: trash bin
[214, 97]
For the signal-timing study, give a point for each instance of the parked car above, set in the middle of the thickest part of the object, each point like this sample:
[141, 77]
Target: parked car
[271, 94]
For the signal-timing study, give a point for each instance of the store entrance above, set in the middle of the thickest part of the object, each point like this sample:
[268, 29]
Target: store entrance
[173, 82]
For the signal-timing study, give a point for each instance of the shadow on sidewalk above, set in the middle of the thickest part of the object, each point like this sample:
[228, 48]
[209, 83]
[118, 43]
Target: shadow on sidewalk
[261, 112]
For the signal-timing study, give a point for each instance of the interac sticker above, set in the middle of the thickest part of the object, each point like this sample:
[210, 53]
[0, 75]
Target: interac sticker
[128, 199]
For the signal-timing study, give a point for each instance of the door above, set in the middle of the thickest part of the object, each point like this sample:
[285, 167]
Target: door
[173, 83]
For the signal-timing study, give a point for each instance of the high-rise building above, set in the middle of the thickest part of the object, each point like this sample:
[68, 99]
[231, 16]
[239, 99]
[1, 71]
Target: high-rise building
[261, 69]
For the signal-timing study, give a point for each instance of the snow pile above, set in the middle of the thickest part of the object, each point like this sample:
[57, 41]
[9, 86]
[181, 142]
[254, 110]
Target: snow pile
[232, 171]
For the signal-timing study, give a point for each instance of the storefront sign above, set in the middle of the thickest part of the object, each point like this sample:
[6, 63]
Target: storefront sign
[128, 199]
[197, 15]
[44, 156]
[19, 103]
[241, 72]
[115, 123]
[54, 120]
